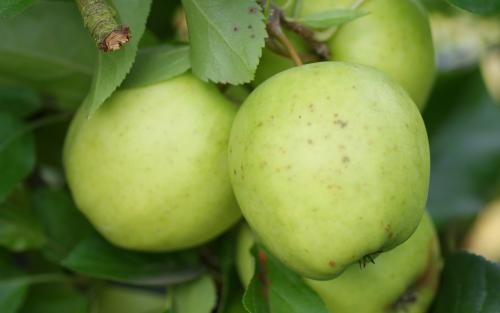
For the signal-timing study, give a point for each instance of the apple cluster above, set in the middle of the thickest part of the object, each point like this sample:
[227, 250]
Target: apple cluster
[327, 162]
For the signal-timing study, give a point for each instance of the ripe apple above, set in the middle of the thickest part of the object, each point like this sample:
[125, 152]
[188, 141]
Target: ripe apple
[330, 164]
[484, 236]
[394, 37]
[114, 298]
[404, 278]
[149, 168]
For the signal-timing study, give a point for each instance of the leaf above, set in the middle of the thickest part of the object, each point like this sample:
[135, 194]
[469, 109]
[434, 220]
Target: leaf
[64, 225]
[331, 18]
[19, 101]
[469, 284]
[47, 47]
[197, 296]
[10, 8]
[231, 286]
[112, 67]
[97, 258]
[277, 289]
[54, 298]
[12, 292]
[14, 286]
[17, 154]
[226, 39]
[19, 229]
[485, 7]
[465, 150]
[157, 64]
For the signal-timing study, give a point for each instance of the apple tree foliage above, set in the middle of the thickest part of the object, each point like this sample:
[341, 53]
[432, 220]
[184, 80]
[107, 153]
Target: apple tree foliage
[51, 258]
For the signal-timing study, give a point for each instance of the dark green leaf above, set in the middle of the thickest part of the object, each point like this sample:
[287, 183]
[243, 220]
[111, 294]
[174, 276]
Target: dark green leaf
[157, 64]
[17, 154]
[478, 6]
[97, 258]
[277, 289]
[19, 101]
[226, 39]
[12, 291]
[51, 298]
[197, 296]
[10, 8]
[469, 284]
[64, 225]
[231, 286]
[331, 18]
[48, 48]
[112, 67]
[19, 229]
[465, 149]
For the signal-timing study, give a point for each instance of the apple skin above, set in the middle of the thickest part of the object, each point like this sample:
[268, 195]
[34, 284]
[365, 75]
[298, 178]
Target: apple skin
[412, 268]
[484, 236]
[394, 37]
[329, 162]
[149, 168]
[114, 299]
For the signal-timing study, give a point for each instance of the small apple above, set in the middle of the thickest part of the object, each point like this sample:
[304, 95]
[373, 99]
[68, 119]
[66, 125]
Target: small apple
[149, 168]
[394, 37]
[404, 278]
[121, 299]
[484, 236]
[330, 164]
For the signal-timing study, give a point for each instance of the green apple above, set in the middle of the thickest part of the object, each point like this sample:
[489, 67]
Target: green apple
[484, 236]
[394, 37]
[330, 164]
[404, 278]
[149, 168]
[114, 298]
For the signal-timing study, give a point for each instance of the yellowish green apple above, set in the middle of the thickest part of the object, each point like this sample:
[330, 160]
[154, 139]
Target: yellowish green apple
[404, 279]
[120, 299]
[149, 168]
[394, 37]
[484, 236]
[330, 164]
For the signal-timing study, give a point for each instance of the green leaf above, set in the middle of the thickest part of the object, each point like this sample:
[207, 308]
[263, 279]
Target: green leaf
[19, 101]
[274, 288]
[231, 285]
[226, 39]
[10, 8]
[64, 225]
[330, 18]
[157, 64]
[14, 287]
[96, 257]
[55, 297]
[17, 154]
[47, 47]
[197, 296]
[112, 67]
[19, 229]
[465, 149]
[469, 284]
[12, 295]
[485, 7]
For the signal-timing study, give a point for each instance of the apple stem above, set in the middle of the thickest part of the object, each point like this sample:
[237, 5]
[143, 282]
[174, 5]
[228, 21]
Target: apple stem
[99, 19]
[274, 24]
[274, 29]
